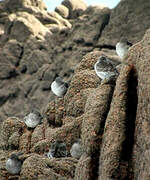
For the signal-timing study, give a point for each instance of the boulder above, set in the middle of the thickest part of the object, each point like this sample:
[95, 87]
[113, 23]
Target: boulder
[62, 10]
[139, 58]
[99, 19]
[76, 7]
[14, 5]
[134, 14]
[26, 24]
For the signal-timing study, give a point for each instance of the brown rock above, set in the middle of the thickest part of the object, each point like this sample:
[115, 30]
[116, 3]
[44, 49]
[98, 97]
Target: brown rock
[7, 71]
[114, 131]
[96, 109]
[83, 169]
[127, 11]
[20, 4]
[82, 80]
[139, 56]
[62, 10]
[99, 19]
[30, 169]
[10, 129]
[76, 7]
[25, 23]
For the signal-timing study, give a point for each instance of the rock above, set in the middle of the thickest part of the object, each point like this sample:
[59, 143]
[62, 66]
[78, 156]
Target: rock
[57, 19]
[13, 51]
[51, 169]
[138, 57]
[114, 137]
[96, 109]
[25, 23]
[10, 130]
[99, 19]
[76, 8]
[129, 12]
[83, 169]
[19, 4]
[7, 71]
[62, 10]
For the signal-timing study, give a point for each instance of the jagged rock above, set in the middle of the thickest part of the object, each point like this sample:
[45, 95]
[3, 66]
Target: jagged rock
[36, 50]
[62, 168]
[76, 7]
[83, 168]
[57, 19]
[10, 128]
[13, 52]
[87, 34]
[135, 16]
[139, 57]
[7, 71]
[14, 5]
[62, 10]
[26, 24]
[114, 137]
[96, 109]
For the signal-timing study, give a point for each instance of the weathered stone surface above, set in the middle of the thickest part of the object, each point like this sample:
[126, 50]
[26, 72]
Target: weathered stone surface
[7, 71]
[96, 109]
[76, 7]
[139, 57]
[86, 34]
[26, 24]
[10, 128]
[114, 137]
[135, 16]
[62, 10]
[83, 169]
[21, 4]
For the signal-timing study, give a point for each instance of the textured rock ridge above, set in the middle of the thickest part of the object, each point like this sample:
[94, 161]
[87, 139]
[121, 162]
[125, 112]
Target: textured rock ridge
[129, 19]
[47, 44]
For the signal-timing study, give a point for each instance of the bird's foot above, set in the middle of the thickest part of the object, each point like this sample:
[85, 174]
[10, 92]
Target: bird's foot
[105, 81]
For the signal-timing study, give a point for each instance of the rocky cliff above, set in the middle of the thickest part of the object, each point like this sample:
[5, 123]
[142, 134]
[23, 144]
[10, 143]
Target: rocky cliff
[112, 120]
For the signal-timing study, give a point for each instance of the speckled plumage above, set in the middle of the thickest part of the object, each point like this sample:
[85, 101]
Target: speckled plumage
[59, 87]
[13, 164]
[57, 150]
[76, 150]
[33, 119]
[122, 47]
[104, 68]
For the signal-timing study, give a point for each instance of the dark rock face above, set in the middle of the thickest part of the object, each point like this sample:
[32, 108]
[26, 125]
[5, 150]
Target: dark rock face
[129, 19]
[112, 120]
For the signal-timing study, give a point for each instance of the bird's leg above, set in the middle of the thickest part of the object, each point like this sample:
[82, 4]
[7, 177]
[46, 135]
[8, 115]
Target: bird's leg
[105, 81]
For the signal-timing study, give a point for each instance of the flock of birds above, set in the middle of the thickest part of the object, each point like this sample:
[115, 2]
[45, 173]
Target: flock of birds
[106, 70]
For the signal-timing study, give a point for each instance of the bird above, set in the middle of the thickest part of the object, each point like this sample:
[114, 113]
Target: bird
[76, 150]
[105, 69]
[14, 164]
[59, 87]
[122, 47]
[33, 119]
[57, 150]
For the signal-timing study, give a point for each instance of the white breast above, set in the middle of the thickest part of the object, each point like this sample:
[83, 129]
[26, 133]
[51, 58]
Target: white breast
[31, 120]
[76, 150]
[104, 75]
[121, 50]
[58, 90]
[13, 166]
